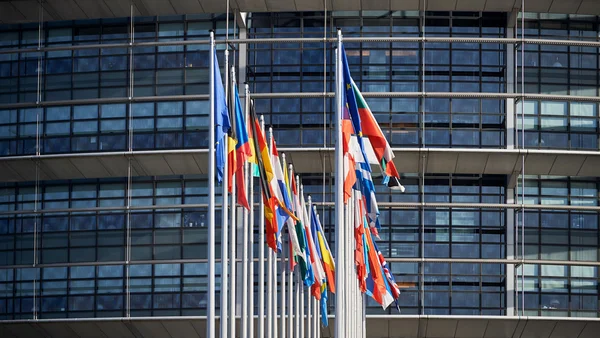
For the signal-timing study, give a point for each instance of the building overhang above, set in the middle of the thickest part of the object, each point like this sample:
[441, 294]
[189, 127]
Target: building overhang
[14, 11]
[305, 160]
[393, 326]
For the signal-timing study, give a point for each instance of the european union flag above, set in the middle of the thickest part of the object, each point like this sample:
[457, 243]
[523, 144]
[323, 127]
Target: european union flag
[222, 123]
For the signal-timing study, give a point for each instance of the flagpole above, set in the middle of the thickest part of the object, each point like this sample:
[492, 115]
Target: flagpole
[298, 284]
[269, 272]
[251, 230]
[261, 257]
[232, 243]
[245, 264]
[301, 296]
[225, 225]
[244, 330]
[274, 288]
[340, 277]
[210, 325]
[290, 308]
[282, 278]
[309, 299]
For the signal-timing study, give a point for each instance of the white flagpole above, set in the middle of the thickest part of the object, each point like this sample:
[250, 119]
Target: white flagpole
[232, 247]
[283, 277]
[261, 258]
[308, 314]
[340, 299]
[290, 307]
[282, 280]
[245, 263]
[244, 330]
[299, 282]
[269, 272]
[274, 289]
[310, 302]
[301, 296]
[251, 231]
[210, 325]
[225, 225]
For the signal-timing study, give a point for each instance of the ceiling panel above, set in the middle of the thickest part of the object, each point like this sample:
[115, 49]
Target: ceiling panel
[441, 328]
[187, 6]
[86, 329]
[564, 329]
[501, 6]
[58, 330]
[471, 162]
[368, 5]
[281, 5]
[564, 6]
[441, 5]
[67, 9]
[252, 5]
[95, 8]
[405, 5]
[8, 13]
[471, 328]
[346, 5]
[588, 7]
[470, 5]
[541, 6]
[159, 7]
[121, 8]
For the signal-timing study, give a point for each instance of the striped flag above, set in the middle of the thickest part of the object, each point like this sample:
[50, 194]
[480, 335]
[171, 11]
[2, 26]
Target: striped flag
[239, 149]
[323, 250]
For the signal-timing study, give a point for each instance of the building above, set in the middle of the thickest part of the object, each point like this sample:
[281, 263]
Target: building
[99, 157]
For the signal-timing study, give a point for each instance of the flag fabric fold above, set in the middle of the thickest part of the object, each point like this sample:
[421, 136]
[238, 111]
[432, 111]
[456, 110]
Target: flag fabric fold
[265, 170]
[222, 122]
[239, 148]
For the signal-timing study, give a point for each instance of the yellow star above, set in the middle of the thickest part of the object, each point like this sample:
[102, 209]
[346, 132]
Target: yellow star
[348, 86]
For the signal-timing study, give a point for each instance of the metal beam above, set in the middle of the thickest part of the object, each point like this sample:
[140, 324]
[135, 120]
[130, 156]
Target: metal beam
[455, 95]
[555, 42]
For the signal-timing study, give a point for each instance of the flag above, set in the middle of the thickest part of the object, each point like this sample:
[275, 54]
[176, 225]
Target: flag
[325, 253]
[252, 157]
[360, 258]
[280, 192]
[315, 262]
[306, 272]
[265, 176]
[323, 303]
[391, 286]
[377, 286]
[222, 123]
[290, 224]
[239, 149]
[377, 140]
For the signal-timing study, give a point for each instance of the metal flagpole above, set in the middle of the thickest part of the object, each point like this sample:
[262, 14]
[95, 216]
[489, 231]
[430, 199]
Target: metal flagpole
[290, 305]
[309, 301]
[251, 230]
[308, 314]
[282, 280]
[210, 324]
[225, 225]
[261, 257]
[244, 331]
[340, 305]
[245, 232]
[269, 273]
[299, 282]
[232, 244]
[274, 289]
[301, 296]
[297, 305]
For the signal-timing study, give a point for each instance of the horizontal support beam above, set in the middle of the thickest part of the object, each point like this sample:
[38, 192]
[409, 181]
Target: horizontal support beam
[305, 160]
[388, 259]
[386, 205]
[451, 95]
[390, 39]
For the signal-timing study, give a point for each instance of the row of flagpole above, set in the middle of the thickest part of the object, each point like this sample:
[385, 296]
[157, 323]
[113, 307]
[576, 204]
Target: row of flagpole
[241, 151]
[285, 315]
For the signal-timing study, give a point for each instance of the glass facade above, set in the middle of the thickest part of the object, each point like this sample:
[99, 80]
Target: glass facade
[81, 248]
